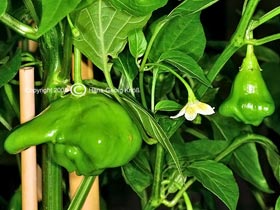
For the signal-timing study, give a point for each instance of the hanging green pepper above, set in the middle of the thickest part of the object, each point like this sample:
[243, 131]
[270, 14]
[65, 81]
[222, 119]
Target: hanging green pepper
[87, 134]
[249, 100]
[138, 7]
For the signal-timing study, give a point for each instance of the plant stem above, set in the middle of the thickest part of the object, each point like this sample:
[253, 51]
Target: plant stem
[191, 96]
[244, 139]
[237, 41]
[30, 7]
[52, 181]
[144, 61]
[187, 201]
[197, 134]
[142, 89]
[77, 66]
[21, 28]
[180, 193]
[155, 199]
[264, 40]
[266, 17]
[81, 194]
[153, 90]
[109, 81]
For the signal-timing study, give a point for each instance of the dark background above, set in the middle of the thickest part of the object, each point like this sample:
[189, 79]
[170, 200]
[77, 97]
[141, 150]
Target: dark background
[220, 21]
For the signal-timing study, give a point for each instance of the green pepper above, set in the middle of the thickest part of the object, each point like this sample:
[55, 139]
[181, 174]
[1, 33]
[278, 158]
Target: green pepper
[87, 134]
[138, 7]
[249, 101]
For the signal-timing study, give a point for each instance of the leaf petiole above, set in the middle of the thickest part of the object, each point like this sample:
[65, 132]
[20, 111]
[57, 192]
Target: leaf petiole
[266, 17]
[21, 28]
[264, 40]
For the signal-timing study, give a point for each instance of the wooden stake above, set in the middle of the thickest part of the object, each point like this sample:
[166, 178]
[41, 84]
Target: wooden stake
[28, 157]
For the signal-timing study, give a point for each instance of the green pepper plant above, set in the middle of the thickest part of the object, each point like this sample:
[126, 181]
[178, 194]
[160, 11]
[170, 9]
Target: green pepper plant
[168, 112]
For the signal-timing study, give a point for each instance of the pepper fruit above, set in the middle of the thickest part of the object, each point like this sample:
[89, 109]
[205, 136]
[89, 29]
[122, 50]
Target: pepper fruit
[87, 134]
[138, 7]
[249, 101]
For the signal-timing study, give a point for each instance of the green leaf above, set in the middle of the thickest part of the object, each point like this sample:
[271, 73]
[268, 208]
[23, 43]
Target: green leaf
[152, 128]
[125, 64]
[3, 7]
[3, 120]
[218, 179]
[54, 11]
[274, 160]
[164, 84]
[104, 31]
[137, 173]
[191, 7]
[198, 150]
[137, 43]
[226, 128]
[245, 162]
[9, 70]
[167, 105]
[185, 64]
[15, 202]
[182, 33]
[277, 205]
[170, 126]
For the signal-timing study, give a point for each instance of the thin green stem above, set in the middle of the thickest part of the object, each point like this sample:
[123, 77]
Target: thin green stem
[179, 194]
[74, 30]
[142, 89]
[21, 28]
[30, 7]
[153, 90]
[191, 95]
[77, 66]
[266, 17]
[260, 199]
[155, 199]
[144, 61]
[187, 201]
[264, 40]
[196, 133]
[244, 139]
[158, 174]
[237, 41]
[111, 85]
[244, 6]
[82, 193]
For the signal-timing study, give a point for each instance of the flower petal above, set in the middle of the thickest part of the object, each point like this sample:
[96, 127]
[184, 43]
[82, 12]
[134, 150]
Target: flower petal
[190, 113]
[204, 109]
[181, 113]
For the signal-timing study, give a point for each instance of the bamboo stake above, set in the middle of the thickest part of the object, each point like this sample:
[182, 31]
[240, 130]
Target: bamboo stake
[93, 201]
[28, 157]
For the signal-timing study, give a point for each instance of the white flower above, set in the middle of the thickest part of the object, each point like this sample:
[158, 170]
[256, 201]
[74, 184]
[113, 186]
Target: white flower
[192, 109]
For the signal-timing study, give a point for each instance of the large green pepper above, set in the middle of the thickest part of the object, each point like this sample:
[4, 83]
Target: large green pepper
[87, 134]
[138, 7]
[249, 100]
